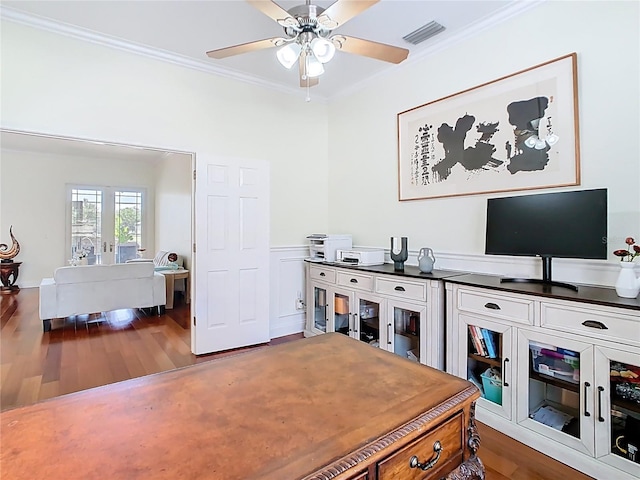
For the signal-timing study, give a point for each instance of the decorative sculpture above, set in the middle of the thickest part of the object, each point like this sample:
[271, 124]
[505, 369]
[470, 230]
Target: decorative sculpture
[399, 252]
[6, 253]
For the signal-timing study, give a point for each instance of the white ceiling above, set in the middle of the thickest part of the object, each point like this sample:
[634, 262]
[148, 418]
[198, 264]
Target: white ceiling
[182, 31]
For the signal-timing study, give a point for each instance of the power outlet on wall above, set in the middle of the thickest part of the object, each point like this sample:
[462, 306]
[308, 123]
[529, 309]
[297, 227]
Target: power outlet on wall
[299, 302]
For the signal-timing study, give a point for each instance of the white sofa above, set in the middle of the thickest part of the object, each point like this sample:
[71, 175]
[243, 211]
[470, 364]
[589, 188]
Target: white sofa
[100, 288]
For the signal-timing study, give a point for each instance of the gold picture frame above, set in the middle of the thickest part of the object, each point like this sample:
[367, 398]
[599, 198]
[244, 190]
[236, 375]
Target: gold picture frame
[518, 132]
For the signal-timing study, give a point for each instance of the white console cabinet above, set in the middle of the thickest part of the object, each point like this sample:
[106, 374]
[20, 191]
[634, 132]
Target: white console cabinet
[565, 368]
[402, 312]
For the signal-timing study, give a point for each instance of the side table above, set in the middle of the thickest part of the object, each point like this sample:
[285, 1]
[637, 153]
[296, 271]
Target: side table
[8, 276]
[170, 276]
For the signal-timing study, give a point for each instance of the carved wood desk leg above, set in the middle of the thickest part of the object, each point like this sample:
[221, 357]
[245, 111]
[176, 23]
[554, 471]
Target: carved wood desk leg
[472, 469]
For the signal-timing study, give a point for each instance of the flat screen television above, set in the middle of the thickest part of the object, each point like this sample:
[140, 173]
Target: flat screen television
[565, 224]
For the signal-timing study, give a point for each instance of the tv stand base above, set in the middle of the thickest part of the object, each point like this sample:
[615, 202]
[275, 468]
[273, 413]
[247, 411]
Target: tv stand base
[550, 283]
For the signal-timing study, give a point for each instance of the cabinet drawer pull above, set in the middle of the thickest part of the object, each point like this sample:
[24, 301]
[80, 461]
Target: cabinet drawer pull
[492, 306]
[388, 334]
[595, 324]
[322, 274]
[586, 397]
[415, 463]
[600, 417]
[399, 289]
[354, 280]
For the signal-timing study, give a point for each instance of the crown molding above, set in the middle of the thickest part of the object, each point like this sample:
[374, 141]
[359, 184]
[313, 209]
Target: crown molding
[41, 23]
[87, 35]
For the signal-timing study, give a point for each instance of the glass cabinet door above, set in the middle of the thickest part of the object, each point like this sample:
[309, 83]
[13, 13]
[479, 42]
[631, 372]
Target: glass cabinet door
[617, 408]
[368, 321]
[557, 381]
[486, 362]
[320, 309]
[341, 313]
[405, 330]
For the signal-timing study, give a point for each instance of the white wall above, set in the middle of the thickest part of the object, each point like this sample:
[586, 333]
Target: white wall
[34, 192]
[173, 207]
[363, 196]
[59, 85]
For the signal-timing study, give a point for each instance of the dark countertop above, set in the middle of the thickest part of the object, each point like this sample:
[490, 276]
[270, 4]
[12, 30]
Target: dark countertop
[586, 293]
[409, 271]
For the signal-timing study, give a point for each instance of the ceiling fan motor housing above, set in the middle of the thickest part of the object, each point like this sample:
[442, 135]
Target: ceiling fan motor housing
[306, 17]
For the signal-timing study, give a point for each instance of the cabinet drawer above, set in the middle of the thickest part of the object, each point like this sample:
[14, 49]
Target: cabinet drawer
[402, 289]
[355, 280]
[449, 434]
[591, 322]
[324, 274]
[497, 306]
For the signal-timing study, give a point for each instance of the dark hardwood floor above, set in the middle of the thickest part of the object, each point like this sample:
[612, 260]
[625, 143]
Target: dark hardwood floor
[92, 350]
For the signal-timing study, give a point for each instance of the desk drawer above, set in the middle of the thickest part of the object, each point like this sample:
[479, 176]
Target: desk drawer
[402, 289]
[449, 434]
[607, 325]
[355, 280]
[497, 306]
[324, 274]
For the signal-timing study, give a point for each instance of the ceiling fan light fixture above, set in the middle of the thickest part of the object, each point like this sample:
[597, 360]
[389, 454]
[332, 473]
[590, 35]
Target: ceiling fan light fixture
[323, 49]
[314, 67]
[288, 55]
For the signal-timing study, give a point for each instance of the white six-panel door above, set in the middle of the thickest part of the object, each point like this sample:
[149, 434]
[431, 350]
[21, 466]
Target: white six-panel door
[232, 254]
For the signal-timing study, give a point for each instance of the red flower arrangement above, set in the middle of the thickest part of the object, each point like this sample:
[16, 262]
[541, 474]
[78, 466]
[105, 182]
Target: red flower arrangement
[630, 253]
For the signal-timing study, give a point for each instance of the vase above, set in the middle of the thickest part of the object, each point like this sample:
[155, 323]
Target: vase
[627, 285]
[426, 260]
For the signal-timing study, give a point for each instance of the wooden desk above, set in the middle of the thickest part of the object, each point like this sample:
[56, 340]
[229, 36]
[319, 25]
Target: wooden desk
[326, 407]
[170, 277]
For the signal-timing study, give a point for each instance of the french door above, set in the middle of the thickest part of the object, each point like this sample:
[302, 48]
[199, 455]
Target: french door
[106, 224]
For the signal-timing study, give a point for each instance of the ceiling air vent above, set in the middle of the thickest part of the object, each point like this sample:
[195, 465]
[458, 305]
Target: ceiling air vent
[424, 32]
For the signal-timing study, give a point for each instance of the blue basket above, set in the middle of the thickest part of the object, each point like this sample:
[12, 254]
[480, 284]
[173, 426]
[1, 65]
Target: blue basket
[492, 389]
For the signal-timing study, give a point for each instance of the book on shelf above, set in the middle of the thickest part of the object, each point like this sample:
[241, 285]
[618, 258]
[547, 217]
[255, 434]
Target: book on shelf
[488, 340]
[478, 340]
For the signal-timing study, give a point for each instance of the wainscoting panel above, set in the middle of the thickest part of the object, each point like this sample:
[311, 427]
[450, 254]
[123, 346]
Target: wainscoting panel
[286, 286]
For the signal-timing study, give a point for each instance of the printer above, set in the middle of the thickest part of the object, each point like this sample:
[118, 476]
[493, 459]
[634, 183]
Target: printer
[360, 256]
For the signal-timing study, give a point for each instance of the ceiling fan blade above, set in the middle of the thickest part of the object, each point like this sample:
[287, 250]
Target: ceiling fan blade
[368, 48]
[342, 11]
[305, 81]
[270, 9]
[246, 47]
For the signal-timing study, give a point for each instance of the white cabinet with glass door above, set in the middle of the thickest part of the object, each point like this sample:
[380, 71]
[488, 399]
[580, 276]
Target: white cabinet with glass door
[555, 384]
[617, 409]
[106, 225]
[402, 314]
[357, 314]
[573, 370]
[413, 328]
[486, 359]
[356, 310]
[406, 329]
[319, 281]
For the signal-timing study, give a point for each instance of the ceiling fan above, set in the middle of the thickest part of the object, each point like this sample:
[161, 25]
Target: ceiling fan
[309, 38]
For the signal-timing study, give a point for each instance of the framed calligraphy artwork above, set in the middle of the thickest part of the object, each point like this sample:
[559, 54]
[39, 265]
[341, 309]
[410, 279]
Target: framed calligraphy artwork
[518, 132]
